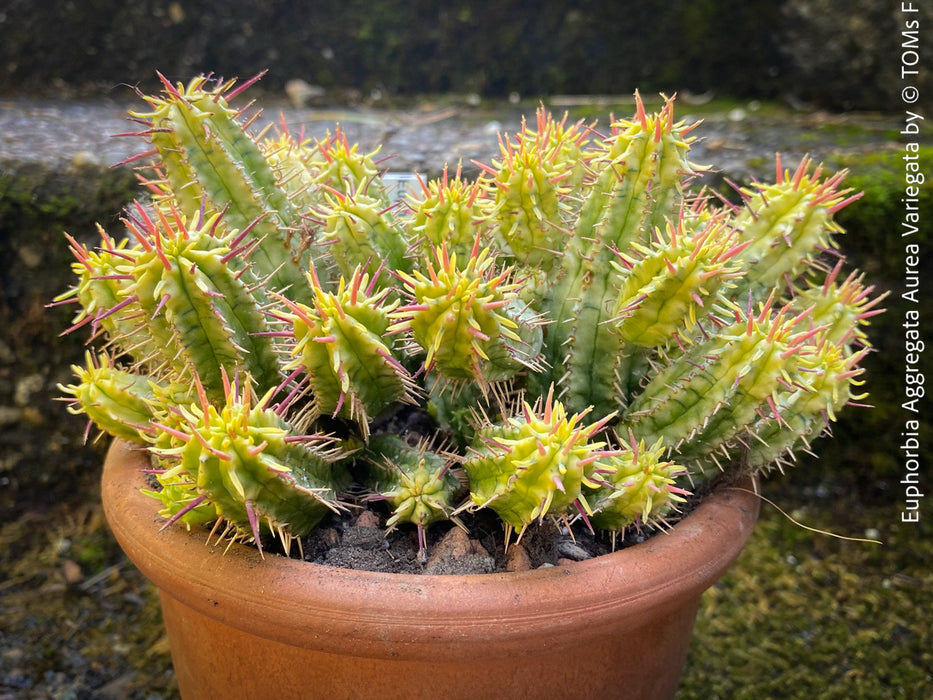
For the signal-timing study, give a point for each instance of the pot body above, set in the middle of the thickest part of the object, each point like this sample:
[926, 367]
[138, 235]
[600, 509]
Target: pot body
[617, 626]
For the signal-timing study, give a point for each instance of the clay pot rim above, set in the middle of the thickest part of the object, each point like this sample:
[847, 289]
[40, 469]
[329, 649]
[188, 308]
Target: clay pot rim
[333, 608]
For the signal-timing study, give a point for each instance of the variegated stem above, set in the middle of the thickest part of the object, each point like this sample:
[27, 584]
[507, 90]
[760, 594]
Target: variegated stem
[825, 380]
[101, 290]
[416, 482]
[669, 287]
[207, 319]
[708, 389]
[639, 171]
[536, 172]
[339, 166]
[120, 403]
[209, 158]
[361, 231]
[247, 462]
[842, 308]
[341, 344]
[467, 320]
[788, 225]
[454, 213]
[635, 486]
[535, 464]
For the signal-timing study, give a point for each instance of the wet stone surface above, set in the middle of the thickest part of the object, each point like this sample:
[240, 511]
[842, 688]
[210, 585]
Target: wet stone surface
[424, 137]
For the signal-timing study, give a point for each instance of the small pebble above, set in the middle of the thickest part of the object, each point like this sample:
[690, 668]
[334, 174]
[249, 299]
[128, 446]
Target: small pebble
[517, 559]
[72, 572]
[737, 115]
[456, 553]
[571, 550]
[368, 519]
[30, 257]
[455, 544]
[300, 92]
[85, 159]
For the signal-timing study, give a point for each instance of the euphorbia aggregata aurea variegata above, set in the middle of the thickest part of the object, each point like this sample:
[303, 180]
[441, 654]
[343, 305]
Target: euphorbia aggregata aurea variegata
[589, 337]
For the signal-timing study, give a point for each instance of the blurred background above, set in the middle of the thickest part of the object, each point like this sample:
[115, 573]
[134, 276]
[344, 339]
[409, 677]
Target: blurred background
[835, 54]
[803, 614]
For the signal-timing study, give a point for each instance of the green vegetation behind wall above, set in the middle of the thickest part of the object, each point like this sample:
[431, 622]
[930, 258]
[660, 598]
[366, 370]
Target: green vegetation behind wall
[42, 462]
[492, 48]
[865, 452]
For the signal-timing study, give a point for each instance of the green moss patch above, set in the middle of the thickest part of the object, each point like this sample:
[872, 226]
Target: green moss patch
[78, 620]
[805, 615]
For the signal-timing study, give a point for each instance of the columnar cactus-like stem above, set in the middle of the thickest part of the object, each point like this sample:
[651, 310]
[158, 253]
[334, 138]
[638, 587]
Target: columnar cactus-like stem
[174, 304]
[535, 464]
[635, 188]
[417, 482]
[208, 159]
[535, 174]
[789, 223]
[841, 309]
[247, 464]
[119, 402]
[341, 344]
[340, 166]
[635, 485]
[452, 213]
[669, 287]
[360, 232]
[712, 386]
[823, 385]
[465, 318]
[205, 307]
[101, 292]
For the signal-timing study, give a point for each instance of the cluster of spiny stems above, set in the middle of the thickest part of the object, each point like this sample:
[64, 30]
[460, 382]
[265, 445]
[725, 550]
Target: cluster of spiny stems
[590, 338]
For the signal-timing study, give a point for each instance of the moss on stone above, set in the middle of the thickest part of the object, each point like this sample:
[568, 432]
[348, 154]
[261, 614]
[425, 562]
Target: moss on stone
[78, 620]
[874, 223]
[804, 615]
[37, 203]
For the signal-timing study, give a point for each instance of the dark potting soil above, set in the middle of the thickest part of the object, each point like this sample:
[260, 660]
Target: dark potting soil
[478, 548]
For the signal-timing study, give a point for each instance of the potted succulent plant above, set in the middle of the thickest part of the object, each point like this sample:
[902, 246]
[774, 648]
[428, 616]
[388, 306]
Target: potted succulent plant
[574, 341]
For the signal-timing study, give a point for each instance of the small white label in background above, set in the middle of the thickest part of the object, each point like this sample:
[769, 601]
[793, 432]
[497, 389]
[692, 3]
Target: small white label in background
[400, 185]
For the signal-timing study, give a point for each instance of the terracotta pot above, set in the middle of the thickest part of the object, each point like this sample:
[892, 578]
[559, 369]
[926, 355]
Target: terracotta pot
[616, 626]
